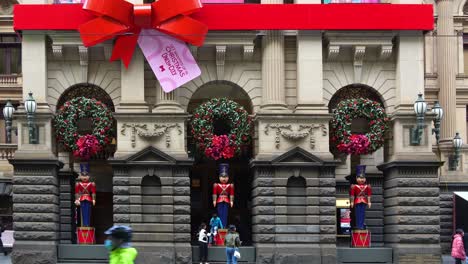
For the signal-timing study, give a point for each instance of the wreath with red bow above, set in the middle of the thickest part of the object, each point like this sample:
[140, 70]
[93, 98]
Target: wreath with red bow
[221, 146]
[356, 144]
[65, 124]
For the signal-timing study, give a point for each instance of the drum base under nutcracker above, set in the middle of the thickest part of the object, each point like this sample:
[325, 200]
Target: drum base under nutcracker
[85, 235]
[360, 238]
[220, 237]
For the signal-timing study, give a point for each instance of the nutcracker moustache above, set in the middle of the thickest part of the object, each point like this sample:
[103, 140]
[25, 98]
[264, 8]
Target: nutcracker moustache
[223, 193]
[360, 195]
[85, 195]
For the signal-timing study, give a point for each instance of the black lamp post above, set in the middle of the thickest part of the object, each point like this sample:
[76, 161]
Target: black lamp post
[457, 144]
[8, 111]
[439, 114]
[420, 107]
[31, 106]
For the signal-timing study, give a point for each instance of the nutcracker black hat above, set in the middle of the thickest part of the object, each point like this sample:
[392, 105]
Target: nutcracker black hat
[223, 169]
[84, 168]
[361, 171]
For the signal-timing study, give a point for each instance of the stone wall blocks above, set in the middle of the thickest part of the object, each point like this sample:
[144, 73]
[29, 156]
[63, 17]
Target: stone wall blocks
[35, 217]
[414, 239]
[263, 229]
[36, 235]
[153, 228]
[330, 201]
[259, 201]
[184, 256]
[35, 180]
[412, 192]
[327, 220]
[121, 218]
[182, 219]
[411, 182]
[411, 201]
[330, 239]
[324, 191]
[446, 204]
[36, 226]
[120, 181]
[35, 208]
[259, 210]
[182, 237]
[182, 209]
[39, 256]
[327, 229]
[412, 229]
[412, 220]
[182, 228]
[327, 182]
[154, 237]
[182, 181]
[182, 190]
[122, 190]
[410, 210]
[293, 238]
[327, 210]
[182, 200]
[263, 219]
[35, 189]
[121, 199]
[264, 182]
[297, 229]
[263, 238]
[263, 191]
[34, 198]
[122, 209]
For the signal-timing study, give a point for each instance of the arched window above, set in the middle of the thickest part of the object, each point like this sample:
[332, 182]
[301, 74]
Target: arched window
[296, 199]
[150, 198]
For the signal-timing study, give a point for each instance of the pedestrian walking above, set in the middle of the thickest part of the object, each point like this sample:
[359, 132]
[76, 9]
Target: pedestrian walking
[118, 243]
[203, 243]
[2, 229]
[458, 249]
[232, 243]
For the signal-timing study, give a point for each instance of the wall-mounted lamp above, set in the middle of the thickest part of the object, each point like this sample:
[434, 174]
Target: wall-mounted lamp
[439, 114]
[31, 107]
[8, 111]
[420, 107]
[454, 159]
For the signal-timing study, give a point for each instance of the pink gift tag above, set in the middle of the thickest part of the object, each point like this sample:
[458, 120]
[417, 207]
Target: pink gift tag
[169, 58]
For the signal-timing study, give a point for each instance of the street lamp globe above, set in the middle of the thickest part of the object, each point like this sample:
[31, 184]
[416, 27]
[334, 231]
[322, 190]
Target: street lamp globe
[30, 104]
[457, 141]
[438, 111]
[8, 111]
[420, 106]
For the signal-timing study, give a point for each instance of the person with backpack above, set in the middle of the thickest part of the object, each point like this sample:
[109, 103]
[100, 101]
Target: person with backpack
[232, 243]
[118, 244]
[203, 243]
[458, 249]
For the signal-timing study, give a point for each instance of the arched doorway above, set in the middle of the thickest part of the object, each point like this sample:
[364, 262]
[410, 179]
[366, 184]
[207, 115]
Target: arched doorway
[205, 171]
[100, 170]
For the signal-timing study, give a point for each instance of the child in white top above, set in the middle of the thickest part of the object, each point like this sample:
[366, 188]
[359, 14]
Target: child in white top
[203, 242]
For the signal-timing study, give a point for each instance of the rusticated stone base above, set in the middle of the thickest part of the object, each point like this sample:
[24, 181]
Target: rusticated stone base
[297, 254]
[178, 254]
[36, 254]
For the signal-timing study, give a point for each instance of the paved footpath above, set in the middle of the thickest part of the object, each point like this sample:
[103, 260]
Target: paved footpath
[5, 259]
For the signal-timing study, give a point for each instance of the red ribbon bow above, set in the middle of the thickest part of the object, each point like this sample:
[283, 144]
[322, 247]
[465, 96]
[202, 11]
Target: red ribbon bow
[125, 20]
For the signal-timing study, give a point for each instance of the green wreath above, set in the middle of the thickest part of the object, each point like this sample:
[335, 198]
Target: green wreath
[239, 123]
[65, 122]
[349, 109]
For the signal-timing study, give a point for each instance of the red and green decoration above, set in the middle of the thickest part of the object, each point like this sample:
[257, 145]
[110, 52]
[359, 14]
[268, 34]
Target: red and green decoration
[65, 124]
[357, 144]
[221, 146]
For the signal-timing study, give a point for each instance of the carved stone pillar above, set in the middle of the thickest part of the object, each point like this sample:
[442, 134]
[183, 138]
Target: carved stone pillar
[273, 79]
[447, 67]
[166, 102]
[411, 209]
[35, 210]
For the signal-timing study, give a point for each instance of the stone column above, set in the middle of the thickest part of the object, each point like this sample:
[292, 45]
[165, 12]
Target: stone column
[411, 209]
[133, 86]
[447, 67]
[273, 79]
[166, 102]
[35, 210]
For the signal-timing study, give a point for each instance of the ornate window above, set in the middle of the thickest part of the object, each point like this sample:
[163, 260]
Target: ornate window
[10, 54]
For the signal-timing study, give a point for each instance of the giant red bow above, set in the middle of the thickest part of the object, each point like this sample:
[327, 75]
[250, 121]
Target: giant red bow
[121, 19]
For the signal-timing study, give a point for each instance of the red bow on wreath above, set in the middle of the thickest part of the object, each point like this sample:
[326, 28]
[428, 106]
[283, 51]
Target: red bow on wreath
[121, 19]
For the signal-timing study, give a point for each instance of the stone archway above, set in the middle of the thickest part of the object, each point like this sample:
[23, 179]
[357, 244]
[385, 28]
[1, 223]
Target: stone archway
[204, 173]
[87, 90]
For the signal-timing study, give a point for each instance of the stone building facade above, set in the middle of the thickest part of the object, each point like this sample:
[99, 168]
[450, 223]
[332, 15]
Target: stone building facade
[289, 186]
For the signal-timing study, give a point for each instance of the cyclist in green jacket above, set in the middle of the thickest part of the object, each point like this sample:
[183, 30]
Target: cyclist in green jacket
[118, 243]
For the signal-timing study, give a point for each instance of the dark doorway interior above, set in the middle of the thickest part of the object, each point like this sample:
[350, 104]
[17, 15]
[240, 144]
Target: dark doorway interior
[203, 175]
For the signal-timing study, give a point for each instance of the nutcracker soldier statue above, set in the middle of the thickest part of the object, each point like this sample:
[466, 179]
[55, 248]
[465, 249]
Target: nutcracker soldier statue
[360, 196]
[85, 199]
[223, 193]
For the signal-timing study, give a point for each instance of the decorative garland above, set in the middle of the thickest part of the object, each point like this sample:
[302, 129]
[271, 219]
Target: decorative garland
[221, 146]
[65, 124]
[349, 143]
